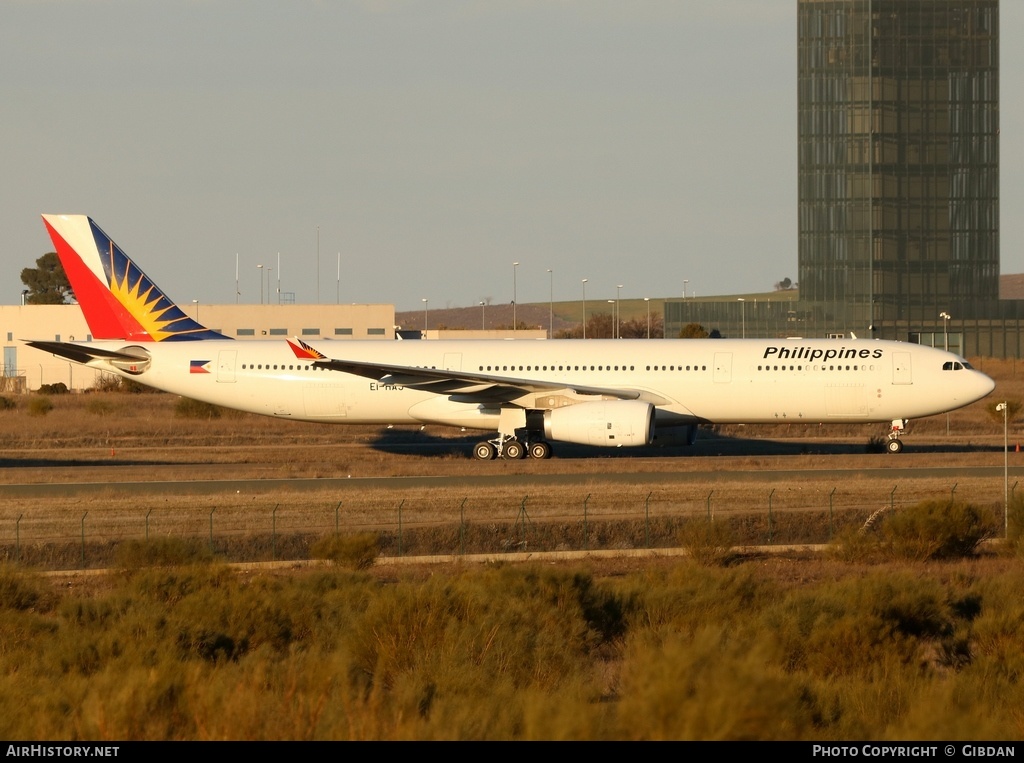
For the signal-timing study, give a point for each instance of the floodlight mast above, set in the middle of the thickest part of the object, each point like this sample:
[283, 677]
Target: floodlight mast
[1006, 476]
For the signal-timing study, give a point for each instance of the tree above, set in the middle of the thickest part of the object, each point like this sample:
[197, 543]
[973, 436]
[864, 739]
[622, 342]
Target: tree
[784, 285]
[47, 282]
[602, 326]
[693, 331]
[599, 326]
[636, 328]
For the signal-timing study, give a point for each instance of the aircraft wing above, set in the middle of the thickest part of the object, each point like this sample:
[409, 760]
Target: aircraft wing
[466, 384]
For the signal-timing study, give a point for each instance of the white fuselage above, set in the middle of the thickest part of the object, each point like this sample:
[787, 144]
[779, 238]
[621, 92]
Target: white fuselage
[687, 380]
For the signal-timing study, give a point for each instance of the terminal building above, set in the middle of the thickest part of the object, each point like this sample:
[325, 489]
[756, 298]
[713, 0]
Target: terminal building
[898, 178]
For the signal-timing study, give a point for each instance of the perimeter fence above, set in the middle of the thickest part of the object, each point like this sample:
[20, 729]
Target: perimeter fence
[251, 530]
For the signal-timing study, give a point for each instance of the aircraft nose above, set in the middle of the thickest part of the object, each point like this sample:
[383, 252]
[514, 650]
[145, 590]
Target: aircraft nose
[983, 385]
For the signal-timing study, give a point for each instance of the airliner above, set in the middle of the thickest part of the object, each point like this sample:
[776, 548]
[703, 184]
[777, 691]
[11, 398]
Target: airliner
[610, 393]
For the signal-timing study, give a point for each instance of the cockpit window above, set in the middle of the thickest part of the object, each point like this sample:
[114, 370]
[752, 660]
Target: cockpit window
[952, 365]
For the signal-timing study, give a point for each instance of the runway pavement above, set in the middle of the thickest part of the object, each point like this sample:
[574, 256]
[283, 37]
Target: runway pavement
[343, 484]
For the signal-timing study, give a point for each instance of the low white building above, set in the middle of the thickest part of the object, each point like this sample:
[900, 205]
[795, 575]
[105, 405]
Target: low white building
[26, 368]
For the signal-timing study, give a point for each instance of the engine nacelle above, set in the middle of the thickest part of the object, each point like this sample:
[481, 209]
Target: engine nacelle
[608, 423]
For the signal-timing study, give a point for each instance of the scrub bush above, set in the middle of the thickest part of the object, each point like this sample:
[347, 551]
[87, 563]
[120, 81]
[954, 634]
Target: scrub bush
[929, 530]
[708, 543]
[39, 406]
[356, 551]
[160, 552]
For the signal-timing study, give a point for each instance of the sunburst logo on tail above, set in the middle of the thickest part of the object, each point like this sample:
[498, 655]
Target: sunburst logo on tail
[157, 315]
[154, 312]
[304, 351]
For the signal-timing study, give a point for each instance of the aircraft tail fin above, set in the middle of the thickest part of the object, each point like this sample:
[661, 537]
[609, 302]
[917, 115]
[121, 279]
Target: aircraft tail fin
[118, 299]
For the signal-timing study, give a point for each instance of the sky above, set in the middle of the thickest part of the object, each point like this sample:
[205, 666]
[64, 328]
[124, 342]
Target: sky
[391, 151]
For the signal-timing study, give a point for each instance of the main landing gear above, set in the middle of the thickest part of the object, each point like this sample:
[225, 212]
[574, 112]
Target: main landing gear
[894, 443]
[511, 449]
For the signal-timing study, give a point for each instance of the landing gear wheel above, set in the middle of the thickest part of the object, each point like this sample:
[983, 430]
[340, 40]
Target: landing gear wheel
[540, 450]
[484, 451]
[894, 446]
[513, 450]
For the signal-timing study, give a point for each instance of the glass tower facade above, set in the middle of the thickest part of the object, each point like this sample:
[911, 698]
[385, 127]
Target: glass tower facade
[898, 114]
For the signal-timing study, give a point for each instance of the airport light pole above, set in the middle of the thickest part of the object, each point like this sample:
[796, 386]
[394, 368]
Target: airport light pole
[584, 308]
[648, 301]
[196, 303]
[743, 317]
[1006, 480]
[260, 268]
[685, 281]
[618, 311]
[515, 267]
[483, 317]
[425, 303]
[945, 345]
[614, 305]
[551, 303]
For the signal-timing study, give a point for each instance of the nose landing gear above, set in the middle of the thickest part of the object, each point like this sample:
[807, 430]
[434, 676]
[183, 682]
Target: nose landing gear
[895, 444]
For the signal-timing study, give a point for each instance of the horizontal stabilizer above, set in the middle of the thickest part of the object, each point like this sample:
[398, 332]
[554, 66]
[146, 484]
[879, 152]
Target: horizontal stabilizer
[82, 353]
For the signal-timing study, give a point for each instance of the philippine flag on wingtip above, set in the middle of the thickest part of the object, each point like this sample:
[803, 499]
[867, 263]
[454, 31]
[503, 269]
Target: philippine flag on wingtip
[198, 367]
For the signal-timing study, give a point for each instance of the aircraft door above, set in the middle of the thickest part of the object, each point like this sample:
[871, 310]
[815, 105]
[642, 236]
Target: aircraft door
[901, 371]
[226, 365]
[723, 367]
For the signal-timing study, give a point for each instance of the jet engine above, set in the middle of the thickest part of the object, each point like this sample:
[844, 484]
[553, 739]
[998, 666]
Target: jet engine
[608, 423]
